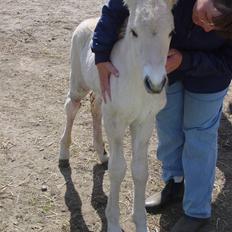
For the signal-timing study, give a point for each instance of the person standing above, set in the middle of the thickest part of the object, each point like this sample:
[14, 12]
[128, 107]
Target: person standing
[199, 67]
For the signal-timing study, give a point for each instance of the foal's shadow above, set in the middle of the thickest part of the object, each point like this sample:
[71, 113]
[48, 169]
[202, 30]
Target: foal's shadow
[222, 206]
[74, 203]
[98, 198]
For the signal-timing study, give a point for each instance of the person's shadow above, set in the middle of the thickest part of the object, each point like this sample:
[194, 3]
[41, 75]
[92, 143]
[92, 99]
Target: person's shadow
[222, 205]
[73, 200]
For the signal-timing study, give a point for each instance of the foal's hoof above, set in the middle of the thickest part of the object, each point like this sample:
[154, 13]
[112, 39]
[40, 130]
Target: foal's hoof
[104, 158]
[64, 163]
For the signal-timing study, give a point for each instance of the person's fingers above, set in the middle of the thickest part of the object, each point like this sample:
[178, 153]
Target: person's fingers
[112, 69]
[201, 13]
[168, 69]
[105, 70]
[172, 63]
[104, 96]
[105, 86]
[108, 89]
[172, 52]
[167, 66]
[102, 84]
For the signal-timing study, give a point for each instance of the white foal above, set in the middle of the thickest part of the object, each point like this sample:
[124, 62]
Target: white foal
[137, 95]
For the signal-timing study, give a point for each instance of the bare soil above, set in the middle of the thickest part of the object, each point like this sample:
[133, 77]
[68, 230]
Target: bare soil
[37, 195]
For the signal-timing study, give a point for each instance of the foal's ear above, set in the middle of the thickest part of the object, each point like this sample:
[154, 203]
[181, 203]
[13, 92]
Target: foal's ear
[130, 3]
[172, 3]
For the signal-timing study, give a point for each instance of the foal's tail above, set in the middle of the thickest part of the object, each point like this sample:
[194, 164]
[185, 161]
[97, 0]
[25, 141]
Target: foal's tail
[76, 77]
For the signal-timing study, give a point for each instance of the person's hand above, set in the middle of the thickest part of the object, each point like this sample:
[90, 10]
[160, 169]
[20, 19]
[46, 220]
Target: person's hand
[105, 69]
[174, 60]
[200, 8]
[203, 13]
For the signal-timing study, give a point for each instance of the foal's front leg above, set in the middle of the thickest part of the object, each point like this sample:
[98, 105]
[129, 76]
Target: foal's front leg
[141, 133]
[115, 129]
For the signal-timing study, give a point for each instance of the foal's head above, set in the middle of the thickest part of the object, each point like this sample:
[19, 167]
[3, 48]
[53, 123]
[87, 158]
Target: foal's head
[149, 30]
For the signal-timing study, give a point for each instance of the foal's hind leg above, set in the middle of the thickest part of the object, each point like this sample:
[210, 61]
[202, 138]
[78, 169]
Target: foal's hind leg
[77, 91]
[97, 127]
[72, 106]
[141, 133]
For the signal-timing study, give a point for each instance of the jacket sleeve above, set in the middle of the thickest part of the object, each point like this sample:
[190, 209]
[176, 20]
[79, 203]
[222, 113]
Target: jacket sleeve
[106, 32]
[196, 63]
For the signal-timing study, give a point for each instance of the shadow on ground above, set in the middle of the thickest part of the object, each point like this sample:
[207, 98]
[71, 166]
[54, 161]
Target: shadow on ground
[74, 203]
[98, 198]
[222, 205]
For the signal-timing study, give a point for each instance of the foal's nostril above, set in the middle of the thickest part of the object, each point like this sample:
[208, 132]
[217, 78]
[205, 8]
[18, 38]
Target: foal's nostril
[151, 88]
[148, 84]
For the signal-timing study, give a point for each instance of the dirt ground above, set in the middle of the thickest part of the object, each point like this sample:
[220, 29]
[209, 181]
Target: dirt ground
[35, 194]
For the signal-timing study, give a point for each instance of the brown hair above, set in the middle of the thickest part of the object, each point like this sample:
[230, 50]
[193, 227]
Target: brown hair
[224, 21]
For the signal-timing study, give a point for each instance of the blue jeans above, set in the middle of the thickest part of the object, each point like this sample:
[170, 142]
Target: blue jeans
[187, 129]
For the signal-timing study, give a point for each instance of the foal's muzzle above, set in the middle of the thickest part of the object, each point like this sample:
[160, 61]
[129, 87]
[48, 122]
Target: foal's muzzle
[151, 88]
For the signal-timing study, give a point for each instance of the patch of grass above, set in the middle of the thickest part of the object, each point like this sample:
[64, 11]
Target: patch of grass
[33, 201]
[47, 206]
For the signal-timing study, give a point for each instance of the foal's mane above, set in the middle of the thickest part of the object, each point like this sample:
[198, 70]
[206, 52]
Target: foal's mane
[133, 3]
[148, 12]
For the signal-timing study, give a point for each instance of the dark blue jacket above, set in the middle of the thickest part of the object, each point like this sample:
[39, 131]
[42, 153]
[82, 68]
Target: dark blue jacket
[207, 57]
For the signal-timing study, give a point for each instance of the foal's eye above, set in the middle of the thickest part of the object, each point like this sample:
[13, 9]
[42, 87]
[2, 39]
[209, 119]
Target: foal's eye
[134, 33]
[171, 33]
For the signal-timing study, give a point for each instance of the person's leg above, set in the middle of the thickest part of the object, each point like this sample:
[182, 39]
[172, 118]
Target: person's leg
[169, 124]
[202, 114]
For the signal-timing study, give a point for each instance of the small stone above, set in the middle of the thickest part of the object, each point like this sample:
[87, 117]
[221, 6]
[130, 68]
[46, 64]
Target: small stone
[15, 222]
[44, 188]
